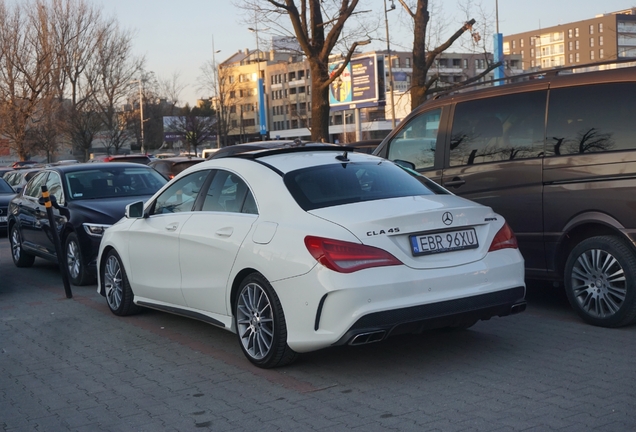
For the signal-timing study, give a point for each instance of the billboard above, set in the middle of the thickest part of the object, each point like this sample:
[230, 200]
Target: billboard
[357, 83]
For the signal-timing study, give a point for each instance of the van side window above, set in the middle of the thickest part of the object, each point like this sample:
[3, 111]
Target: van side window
[591, 119]
[417, 140]
[498, 128]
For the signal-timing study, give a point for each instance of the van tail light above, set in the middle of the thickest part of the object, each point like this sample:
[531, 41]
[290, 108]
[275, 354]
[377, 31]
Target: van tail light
[346, 257]
[504, 239]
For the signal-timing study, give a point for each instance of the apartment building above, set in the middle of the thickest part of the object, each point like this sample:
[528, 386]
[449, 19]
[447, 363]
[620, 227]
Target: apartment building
[287, 87]
[605, 37]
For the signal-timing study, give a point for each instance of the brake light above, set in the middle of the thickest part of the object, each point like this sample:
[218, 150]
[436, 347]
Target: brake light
[346, 257]
[504, 239]
[108, 159]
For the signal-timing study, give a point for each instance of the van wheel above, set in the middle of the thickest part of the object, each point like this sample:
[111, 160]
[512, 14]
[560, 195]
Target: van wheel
[260, 324]
[600, 281]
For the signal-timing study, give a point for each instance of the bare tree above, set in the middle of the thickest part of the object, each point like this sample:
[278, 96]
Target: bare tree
[318, 25]
[170, 88]
[25, 72]
[215, 80]
[196, 126]
[115, 69]
[424, 56]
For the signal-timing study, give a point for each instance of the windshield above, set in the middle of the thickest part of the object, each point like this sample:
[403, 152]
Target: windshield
[337, 184]
[113, 182]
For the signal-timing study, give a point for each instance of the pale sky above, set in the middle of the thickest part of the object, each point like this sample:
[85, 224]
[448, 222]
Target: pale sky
[176, 36]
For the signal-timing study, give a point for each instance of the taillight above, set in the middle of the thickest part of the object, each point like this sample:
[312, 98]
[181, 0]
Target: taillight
[346, 257]
[505, 238]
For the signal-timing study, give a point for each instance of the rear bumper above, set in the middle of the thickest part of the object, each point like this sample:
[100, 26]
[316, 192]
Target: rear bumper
[380, 325]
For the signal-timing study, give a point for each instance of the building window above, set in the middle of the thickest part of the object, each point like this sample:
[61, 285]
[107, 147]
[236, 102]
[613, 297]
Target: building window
[600, 27]
[591, 29]
[301, 74]
[571, 58]
[578, 58]
[576, 44]
[407, 62]
[600, 40]
[234, 124]
[569, 32]
[592, 55]
[396, 62]
[531, 40]
[600, 53]
[591, 42]
[532, 52]
[570, 45]
[514, 44]
[233, 109]
[232, 94]
[576, 32]
[465, 63]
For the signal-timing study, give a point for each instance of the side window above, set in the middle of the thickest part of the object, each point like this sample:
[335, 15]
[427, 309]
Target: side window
[34, 187]
[591, 119]
[498, 129]
[181, 195]
[417, 140]
[228, 193]
[54, 184]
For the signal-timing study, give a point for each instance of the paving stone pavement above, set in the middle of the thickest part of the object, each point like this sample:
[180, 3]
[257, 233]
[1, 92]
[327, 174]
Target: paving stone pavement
[71, 365]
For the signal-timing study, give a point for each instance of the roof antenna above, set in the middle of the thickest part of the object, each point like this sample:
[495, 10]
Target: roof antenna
[343, 157]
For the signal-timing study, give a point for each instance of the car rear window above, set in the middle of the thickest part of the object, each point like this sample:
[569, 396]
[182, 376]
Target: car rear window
[338, 184]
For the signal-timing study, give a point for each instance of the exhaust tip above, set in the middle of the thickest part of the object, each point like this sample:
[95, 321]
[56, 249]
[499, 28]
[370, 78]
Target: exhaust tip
[519, 307]
[368, 337]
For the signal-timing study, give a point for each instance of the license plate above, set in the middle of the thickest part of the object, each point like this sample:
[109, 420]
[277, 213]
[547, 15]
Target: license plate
[447, 241]
[3, 218]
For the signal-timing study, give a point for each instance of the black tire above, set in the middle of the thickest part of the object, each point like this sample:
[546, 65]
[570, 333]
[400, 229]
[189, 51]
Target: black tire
[74, 261]
[20, 257]
[119, 295]
[600, 281]
[260, 324]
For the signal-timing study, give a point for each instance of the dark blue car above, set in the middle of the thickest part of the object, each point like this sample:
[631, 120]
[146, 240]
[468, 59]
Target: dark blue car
[88, 198]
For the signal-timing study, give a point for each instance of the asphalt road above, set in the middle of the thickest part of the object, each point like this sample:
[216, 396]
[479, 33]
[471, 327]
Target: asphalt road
[69, 364]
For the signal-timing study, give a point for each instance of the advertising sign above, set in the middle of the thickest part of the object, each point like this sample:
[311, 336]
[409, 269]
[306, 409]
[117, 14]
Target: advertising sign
[357, 83]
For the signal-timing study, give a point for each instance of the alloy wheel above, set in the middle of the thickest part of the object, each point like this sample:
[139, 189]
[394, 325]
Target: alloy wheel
[598, 283]
[255, 323]
[73, 261]
[113, 282]
[16, 244]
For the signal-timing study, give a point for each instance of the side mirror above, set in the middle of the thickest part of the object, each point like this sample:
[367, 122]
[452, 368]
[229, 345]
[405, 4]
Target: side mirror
[135, 210]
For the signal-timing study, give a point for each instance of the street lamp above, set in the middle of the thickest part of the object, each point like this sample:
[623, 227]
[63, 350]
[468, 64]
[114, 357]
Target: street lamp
[388, 48]
[219, 111]
[141, 112]
[259, 88]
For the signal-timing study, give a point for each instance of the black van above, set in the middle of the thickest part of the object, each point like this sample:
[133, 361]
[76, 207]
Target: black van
[555, 155]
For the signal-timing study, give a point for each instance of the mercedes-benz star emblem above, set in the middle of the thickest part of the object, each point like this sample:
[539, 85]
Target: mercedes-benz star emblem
[447, 218]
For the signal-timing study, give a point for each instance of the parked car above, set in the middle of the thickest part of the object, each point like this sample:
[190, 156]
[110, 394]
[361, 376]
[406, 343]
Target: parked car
[205, 153]
[170, 167]
[89, 198]
[298, 249]
[367, 146]
[23, 164]
[4, 170]
[6, 194]
[134, 158]
[556, 156]
[20, 177]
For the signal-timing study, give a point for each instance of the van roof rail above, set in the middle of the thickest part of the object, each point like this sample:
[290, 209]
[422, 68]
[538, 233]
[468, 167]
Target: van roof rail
[541, 74]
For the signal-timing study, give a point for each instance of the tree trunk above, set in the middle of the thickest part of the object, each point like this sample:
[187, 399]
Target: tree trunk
[319, 104]
[418, 85]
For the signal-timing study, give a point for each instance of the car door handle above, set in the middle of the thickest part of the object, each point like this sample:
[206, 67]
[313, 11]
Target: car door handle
[455, 182]
[172, 227]
[225, 232]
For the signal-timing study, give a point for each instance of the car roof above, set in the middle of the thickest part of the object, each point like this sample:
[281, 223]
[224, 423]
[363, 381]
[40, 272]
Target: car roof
[94, 165]
[176, 159]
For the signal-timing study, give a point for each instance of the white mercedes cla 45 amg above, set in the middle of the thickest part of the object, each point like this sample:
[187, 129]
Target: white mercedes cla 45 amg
[302, 248]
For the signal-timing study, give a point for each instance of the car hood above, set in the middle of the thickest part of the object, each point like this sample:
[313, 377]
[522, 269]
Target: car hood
[104, 210]
[388, 224]
[5, 198]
